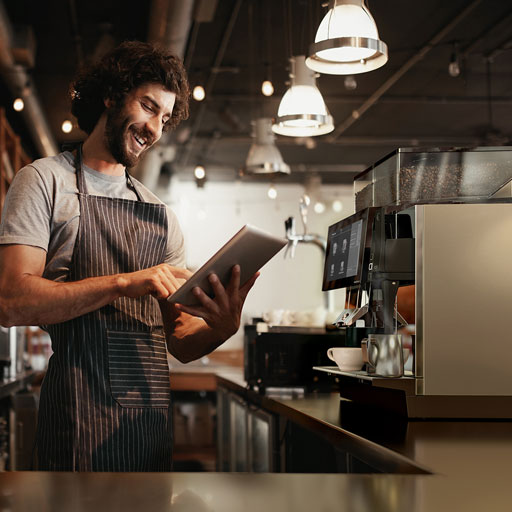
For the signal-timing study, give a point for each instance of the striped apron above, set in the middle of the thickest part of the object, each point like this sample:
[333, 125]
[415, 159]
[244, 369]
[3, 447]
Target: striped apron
[105, 400]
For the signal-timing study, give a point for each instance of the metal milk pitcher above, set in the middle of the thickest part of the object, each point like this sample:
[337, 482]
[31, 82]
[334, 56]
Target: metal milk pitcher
[383, 355]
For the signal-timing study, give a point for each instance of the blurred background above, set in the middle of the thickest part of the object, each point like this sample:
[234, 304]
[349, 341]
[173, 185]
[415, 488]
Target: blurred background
[448, 82]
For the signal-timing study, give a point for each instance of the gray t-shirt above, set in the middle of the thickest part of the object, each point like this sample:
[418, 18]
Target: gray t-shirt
[42, 210]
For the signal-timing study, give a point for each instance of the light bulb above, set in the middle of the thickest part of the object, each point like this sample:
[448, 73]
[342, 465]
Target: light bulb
[272, 192]
[267, 88]
[66, 126]
[350, 83]
[18, 105]
[454, 68]
[198, 93]
[199, 172]
[337, 206]
[319, 207]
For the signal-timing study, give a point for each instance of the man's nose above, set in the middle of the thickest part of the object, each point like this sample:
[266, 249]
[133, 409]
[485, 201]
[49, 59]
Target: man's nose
[154, 124]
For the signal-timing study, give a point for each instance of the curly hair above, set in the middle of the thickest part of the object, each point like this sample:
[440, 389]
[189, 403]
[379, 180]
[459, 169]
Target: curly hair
[130, 65]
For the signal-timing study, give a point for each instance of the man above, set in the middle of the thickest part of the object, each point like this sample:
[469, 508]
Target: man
[91, 254]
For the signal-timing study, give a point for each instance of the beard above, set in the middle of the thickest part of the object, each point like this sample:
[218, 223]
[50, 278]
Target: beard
[117, 131]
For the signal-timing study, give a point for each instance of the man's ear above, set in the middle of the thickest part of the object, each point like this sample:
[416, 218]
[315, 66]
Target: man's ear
[108, 102]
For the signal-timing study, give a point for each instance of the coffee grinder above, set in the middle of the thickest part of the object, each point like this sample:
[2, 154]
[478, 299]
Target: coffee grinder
[439, 219]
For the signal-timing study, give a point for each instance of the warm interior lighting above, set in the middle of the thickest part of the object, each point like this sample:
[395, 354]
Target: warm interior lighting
[267, 89]
[454, 65]
[319, 207]
[350, 83]
[199, 172]
[302, 111]
[347, 41]
[337, 206]
[264, 158]
[18, 105]
[198, 93]
[66, 126]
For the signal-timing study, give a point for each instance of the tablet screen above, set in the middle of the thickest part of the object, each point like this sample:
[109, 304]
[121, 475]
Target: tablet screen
[250, 248]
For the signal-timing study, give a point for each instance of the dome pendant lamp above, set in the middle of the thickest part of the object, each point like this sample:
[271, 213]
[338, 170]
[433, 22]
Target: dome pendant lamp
[302, 111]
[264, 159]
[347, 41]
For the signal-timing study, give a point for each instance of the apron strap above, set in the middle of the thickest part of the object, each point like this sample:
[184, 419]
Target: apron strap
[80, 176]
[135, 189]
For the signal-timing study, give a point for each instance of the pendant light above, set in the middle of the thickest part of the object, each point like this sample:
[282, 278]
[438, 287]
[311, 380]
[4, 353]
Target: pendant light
[347, 41]
[264, 159]
[302, 111]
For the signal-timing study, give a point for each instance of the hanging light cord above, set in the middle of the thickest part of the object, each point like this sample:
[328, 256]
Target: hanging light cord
[287, 6]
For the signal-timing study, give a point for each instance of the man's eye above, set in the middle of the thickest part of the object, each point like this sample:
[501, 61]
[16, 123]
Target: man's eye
[147, 107]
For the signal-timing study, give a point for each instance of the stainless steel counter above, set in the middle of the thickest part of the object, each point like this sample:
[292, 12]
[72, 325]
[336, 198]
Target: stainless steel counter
[436, 446]
[235, 492]
[470, 462]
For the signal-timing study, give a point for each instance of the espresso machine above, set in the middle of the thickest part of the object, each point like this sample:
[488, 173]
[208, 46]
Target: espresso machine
[439, 220]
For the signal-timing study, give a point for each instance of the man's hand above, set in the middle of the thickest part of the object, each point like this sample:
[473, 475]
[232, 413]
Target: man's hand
[26, 298]
[222, 313]
[160, 281]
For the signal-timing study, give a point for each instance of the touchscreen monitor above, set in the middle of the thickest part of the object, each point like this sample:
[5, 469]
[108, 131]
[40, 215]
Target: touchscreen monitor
[348, 248]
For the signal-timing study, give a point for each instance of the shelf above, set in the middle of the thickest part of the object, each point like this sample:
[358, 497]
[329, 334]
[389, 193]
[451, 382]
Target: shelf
[12, 156]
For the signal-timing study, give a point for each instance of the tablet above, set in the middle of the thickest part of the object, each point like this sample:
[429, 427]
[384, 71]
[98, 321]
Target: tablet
[250, 248]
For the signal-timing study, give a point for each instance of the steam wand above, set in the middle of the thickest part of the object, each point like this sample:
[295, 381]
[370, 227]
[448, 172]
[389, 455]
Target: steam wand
[294, 239]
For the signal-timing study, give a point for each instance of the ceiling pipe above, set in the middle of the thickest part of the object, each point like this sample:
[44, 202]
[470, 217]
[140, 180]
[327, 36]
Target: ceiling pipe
[358, 113]
[494, 27]
[357, 140]
[169, 26]
[390, 99]
[20, 85]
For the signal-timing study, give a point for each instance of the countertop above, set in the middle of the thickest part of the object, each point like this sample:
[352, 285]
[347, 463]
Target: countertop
[436, 446]
[473, 490]
[470, 462]
[11, 385]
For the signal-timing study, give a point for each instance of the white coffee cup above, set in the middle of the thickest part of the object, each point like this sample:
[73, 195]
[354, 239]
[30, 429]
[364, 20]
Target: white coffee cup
[348, 359]
[273, 317]
[302, 318]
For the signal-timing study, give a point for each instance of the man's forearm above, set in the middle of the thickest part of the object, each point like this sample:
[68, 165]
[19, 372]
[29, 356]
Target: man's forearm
[33, 300]
[26, 298]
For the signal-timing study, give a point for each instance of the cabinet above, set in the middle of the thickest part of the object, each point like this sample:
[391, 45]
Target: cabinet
[246, 435]
[255, 436]
[18, 421]
[304, 451]
[194, 430]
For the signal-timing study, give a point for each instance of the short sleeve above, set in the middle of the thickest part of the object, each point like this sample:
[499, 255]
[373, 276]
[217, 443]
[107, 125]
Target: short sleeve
[175, 254]
[26, 216]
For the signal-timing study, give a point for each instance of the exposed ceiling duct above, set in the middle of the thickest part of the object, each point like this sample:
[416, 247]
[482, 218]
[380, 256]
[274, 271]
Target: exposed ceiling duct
[169, 26]
[20, 84]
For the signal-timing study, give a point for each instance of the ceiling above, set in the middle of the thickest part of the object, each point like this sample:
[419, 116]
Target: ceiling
[230, 45]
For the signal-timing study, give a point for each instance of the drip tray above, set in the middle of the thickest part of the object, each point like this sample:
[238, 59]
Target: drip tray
[361, 374]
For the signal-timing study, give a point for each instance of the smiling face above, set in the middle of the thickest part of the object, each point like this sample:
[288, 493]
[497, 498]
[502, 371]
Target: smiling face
[135, 125]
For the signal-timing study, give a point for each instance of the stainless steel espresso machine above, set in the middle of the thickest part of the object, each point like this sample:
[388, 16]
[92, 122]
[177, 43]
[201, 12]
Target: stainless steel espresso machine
[441, 220]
